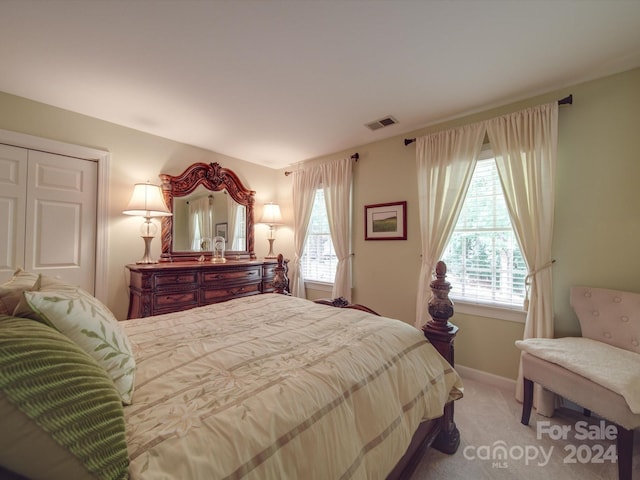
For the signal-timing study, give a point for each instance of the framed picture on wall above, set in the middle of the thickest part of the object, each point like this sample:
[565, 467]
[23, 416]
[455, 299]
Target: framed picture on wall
[221, 230]
[385, 221]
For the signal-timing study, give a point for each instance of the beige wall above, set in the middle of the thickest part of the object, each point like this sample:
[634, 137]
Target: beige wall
[597, 221]
[135, 157]
[597, 225]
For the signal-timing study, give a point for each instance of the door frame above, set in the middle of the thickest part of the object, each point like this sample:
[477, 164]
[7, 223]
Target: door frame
[102, 157]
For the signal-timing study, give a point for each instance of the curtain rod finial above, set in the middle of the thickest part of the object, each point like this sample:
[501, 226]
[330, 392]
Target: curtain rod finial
[568, 100]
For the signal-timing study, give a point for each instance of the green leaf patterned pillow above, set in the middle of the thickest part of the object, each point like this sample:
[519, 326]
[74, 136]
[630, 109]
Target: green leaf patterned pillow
[60, 414]
[91, 325]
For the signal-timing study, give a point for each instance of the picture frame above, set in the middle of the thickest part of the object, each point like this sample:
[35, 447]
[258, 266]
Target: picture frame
[221, 230]
[385, 221]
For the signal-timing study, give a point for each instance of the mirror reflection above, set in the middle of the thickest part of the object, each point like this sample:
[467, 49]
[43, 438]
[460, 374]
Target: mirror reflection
[203, 215]
[198, 218]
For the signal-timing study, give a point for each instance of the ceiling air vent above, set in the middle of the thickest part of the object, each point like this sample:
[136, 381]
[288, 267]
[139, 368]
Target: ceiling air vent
[383, 122]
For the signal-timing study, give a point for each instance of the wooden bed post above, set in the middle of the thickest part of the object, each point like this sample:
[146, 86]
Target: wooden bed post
[280, 280]
[441, 333]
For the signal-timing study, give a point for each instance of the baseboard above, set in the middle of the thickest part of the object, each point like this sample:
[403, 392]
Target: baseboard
[486, 377]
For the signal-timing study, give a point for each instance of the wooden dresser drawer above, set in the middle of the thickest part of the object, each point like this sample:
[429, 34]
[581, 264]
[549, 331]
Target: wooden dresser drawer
[173, 279]
[269, 270]
[267, 286]
[221, 294]
[245, 275]
[175, 301]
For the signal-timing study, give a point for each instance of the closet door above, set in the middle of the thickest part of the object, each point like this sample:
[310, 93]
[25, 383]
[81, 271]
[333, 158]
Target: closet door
[61, 218]
[13, 194]
[48, 203]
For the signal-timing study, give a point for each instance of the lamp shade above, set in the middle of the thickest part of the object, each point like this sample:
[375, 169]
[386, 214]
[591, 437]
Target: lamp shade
[147, 201]
[271, 214]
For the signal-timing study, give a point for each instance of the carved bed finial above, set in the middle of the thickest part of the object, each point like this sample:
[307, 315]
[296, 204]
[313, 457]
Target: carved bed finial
[440, 305]
[280, 280]
[438, 330]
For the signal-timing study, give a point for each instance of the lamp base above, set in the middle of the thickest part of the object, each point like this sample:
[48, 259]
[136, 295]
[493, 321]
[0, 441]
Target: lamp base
[271, 254]
[146, 258]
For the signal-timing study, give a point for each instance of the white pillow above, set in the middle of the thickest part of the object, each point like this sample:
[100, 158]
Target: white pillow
[88, 323]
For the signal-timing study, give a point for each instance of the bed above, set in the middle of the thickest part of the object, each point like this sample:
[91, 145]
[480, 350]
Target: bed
[267, 386]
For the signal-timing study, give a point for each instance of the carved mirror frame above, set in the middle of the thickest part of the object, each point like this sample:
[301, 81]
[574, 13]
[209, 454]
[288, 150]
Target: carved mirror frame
[215, 178]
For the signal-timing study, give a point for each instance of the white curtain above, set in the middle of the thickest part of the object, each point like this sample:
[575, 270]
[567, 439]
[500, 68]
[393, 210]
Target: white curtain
[233, 209]
[199, 221]
[305, 184]
[525, 148]
[446, 161]
[336, 183]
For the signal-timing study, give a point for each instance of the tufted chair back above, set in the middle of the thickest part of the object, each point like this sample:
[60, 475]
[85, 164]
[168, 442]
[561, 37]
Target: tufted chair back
[608, 316]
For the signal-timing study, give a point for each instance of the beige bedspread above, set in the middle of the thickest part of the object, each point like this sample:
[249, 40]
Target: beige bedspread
[276, 387]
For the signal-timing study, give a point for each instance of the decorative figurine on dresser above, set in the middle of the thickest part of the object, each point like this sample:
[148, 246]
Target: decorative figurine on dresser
[205, 200]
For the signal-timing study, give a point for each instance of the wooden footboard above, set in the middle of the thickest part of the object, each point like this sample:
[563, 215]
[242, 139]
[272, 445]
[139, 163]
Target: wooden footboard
[425, 436]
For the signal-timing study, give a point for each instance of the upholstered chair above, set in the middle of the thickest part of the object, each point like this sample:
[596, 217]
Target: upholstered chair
[599, 371]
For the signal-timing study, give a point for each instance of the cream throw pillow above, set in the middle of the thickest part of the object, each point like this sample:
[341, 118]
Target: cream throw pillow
[90, 324]
[21, 279]
[11, 290]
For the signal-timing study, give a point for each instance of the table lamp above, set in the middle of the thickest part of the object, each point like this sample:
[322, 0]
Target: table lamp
[147, 201]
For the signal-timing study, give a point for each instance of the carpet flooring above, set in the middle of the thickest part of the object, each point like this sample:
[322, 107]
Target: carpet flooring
[488, 418]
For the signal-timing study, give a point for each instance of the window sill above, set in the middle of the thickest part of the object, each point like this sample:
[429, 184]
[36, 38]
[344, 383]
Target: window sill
[517, 315]
[320, 286]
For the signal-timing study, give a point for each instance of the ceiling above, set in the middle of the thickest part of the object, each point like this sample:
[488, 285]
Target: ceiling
[277, 82]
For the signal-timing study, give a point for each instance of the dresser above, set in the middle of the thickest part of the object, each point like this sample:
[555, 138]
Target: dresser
[173, 286]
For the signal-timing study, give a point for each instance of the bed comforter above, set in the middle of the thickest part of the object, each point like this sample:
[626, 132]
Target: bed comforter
[277, 387]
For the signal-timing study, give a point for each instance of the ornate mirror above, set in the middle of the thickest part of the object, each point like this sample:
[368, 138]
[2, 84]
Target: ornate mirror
[206, 201]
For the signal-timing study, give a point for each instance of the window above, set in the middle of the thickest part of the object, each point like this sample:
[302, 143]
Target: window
[200, 223]
[240, 235]
[483, 258]
[319, 260]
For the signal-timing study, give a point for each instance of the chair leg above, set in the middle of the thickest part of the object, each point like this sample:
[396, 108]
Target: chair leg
[625, 453]
[527, 401]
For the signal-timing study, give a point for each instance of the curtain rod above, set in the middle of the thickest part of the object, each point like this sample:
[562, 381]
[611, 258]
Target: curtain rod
[568, 100]
[355, 157]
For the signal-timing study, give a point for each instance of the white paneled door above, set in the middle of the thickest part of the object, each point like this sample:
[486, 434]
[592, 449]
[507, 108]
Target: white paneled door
[13, 192]
[48, 203]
